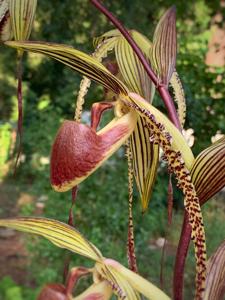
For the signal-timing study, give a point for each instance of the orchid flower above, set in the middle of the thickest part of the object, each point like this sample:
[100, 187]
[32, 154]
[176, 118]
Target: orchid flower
[79, 150]
[109, 276]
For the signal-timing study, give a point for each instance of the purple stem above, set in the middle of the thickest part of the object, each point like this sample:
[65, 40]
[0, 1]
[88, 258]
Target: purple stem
[162, 89]
[182, 250]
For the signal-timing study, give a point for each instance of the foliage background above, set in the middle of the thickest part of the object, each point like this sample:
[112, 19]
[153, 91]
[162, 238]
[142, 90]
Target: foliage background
[50, 91]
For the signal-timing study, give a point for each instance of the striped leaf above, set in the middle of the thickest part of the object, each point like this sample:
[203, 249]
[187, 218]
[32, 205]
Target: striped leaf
[132, 71]
[22, 14]
[207, 173]
[76, 60]
[5, 23]
[86, 150]
[145, 161]
[145, 154]
[164, 50]
[215, 280]
[60, 234]
[179, 160]
[179, 97]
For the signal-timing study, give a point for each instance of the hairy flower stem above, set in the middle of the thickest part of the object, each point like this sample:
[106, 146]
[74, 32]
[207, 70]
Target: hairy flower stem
[130, 236]
[162, 89]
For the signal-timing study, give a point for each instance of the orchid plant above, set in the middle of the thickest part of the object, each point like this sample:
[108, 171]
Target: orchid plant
[142, 67]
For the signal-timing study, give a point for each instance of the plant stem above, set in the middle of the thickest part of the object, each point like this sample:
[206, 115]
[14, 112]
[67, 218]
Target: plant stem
[162, 89]
[182, 250]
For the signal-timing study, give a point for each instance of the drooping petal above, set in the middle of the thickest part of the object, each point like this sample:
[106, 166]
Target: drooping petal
[145, 154]
[76, 60]
[127, 282]
[207, 173]
[215, 279]
[132, 71]
[22, 14]
[97, 291]
[179, 97]
[60, 234]
[164, 50]
[145, 161]
[5, 22]
[85, 149]
[180, 159]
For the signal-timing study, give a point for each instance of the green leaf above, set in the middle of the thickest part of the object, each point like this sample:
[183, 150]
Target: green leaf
[76, 60]
[22, 14]
[164, 50]
[207, 173]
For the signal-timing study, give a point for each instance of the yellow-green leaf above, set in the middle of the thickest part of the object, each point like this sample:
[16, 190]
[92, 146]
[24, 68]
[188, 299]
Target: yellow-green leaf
[145, 161]
[76, 60]
[215, 279]
[164, 50]
[207, 173]
[22, 14]
[60, 234]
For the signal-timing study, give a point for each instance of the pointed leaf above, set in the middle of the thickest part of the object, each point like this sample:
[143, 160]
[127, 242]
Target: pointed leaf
[215, 280]
[60, 234]
[97, 291]
[76, 60]
[145, 161]
[22, 14]
[132, 71]
[85, 149]
[207, 173]
[179, 97]
[164, 48]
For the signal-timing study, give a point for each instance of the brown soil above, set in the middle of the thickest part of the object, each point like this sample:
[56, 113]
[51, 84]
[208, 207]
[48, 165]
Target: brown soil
[13, 256]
